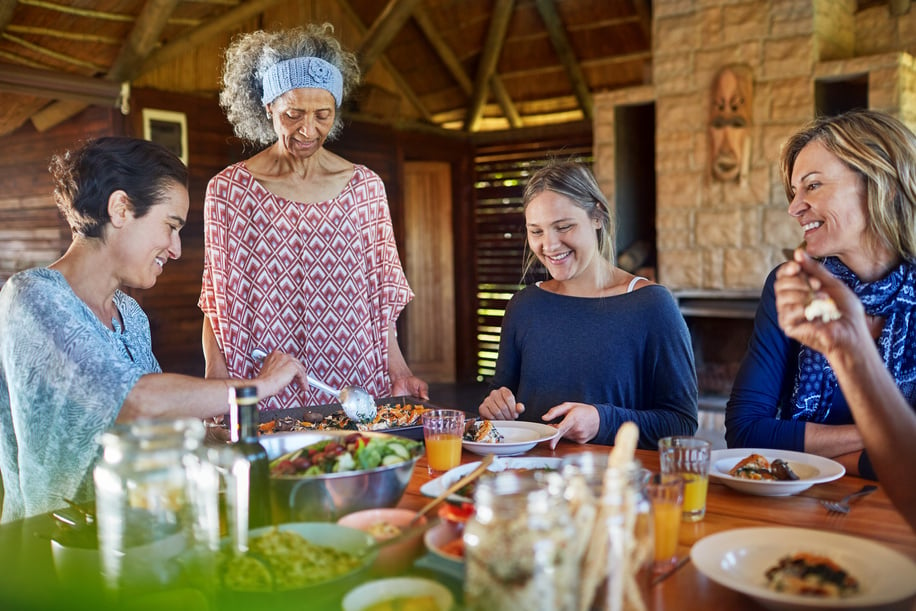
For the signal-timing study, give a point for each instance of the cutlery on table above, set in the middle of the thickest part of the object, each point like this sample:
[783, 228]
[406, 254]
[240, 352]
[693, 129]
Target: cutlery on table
[842, 506]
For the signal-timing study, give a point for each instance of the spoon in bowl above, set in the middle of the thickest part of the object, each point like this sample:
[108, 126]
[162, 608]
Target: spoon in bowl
[356, 402]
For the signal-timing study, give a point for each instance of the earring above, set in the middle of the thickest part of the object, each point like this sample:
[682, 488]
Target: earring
[270, 116]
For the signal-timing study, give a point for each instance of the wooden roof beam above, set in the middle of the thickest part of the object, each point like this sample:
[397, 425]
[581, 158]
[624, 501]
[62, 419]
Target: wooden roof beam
[203, 34]
[7, 8]
[381, 33]
[453, 64]
[403, 87]
[141, 41]
[499, 23]
[561, 45]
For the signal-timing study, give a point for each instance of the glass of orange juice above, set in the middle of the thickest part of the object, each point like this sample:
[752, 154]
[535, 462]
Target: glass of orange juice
[666, 493]
[689, 458]
[442, 431]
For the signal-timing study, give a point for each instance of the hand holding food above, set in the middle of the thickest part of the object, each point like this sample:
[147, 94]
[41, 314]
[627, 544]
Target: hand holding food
[821, 325]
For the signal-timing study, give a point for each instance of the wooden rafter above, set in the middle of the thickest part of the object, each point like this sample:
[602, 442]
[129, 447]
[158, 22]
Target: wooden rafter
[78, 36]
[496, 35]
[140, 43]
[203, 34]
[453, 64]
[383, 31]
[403, 87]
[561, 45]
[143, 39]
[7, 8]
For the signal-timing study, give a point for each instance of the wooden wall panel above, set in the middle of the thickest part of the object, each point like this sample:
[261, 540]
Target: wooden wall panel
[431, 270]
[32, 232]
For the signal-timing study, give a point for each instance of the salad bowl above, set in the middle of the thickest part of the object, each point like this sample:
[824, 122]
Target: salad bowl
[326, 497]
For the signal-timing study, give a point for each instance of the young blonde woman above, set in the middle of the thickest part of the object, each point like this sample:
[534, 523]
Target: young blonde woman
[593, 346]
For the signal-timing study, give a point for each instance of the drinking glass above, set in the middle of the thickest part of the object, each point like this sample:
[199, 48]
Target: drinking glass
[442, 431]
[689, 458]
[666, 493]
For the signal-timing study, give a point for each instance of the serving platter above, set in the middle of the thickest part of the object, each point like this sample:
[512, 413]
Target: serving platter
[331, 417]
[519, 437]
[435, 487]
[738, 559]
[810, 468]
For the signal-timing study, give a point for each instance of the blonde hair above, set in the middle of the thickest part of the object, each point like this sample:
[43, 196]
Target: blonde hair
[576, 182]
[882, 150]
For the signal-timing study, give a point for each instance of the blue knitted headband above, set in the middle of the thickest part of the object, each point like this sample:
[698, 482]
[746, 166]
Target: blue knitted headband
[302, 72]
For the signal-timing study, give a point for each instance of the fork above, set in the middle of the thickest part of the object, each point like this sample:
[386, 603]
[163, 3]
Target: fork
[842, 506]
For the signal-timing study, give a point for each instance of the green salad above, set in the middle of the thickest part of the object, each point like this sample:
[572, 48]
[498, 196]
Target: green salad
[354, 452]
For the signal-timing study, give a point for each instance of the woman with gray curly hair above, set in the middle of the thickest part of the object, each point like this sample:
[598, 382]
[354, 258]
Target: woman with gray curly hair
[300, 253]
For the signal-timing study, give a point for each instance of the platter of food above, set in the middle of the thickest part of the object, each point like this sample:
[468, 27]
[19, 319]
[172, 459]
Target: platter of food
[787, 568]
[767, 472]
[505, 437]
[436, 486]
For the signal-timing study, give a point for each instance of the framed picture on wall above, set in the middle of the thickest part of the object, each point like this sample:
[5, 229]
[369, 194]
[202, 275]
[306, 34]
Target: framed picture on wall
[168, 128]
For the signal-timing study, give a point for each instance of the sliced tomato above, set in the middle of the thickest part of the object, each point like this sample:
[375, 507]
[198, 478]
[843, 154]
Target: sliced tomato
[456, 513]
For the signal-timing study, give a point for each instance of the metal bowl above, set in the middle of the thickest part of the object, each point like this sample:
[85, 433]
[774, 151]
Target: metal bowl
[327, 497]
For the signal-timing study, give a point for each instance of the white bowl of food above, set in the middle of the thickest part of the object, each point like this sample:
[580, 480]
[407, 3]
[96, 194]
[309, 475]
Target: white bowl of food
[399, 593]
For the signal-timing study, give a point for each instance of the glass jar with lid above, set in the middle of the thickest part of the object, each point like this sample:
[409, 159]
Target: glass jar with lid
[618, 497]
[518, 551]
[142, 488]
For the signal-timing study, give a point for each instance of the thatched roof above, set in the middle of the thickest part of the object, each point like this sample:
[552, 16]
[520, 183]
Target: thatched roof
[458, 64]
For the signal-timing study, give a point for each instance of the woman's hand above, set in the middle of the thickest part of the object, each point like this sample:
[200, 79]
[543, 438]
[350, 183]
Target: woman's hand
[277, 371]
[795, 282]
[500, 404]
[410, 385]
[580, 422]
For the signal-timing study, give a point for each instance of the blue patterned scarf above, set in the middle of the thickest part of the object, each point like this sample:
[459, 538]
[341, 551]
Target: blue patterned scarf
[892, 297]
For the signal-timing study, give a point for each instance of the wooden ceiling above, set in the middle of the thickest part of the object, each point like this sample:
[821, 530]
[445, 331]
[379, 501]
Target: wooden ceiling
[472, 65]
[456, 64]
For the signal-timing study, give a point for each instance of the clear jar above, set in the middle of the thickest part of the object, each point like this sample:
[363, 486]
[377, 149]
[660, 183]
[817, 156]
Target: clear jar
[142, 488]
[590, 489]
[517, 545]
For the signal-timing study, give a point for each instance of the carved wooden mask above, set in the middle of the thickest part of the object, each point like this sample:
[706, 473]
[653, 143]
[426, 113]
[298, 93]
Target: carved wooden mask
[731, 101]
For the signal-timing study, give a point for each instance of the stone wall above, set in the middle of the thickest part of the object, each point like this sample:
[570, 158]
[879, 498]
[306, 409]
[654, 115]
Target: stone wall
[713, 235]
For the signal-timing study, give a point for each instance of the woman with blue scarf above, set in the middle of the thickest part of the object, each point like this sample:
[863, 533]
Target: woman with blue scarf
[851, 184]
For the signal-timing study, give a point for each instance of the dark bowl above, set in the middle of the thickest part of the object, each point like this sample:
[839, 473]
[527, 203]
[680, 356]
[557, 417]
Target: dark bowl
[328, 497]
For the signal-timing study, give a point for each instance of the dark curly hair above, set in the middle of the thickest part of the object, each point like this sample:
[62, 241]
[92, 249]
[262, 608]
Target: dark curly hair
[86, 177]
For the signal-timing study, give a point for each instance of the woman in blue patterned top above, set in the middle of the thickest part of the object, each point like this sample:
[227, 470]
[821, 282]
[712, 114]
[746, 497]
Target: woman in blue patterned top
[75, 350]
[851, 185]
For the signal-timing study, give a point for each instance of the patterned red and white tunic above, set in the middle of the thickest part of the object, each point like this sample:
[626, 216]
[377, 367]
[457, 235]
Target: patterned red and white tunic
[318, 280]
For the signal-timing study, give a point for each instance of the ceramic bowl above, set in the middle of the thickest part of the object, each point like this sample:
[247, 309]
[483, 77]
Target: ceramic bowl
[397, 557]
[381, 590]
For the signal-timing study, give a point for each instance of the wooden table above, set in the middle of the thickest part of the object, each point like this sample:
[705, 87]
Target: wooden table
[27, 576]
[872, 517]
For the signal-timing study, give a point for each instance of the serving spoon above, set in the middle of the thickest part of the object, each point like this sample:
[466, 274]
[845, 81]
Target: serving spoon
[355, 401]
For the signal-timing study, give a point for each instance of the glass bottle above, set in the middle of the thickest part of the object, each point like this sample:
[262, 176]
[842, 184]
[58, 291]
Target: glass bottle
[142, 488]
[243, 430]
[517, 545]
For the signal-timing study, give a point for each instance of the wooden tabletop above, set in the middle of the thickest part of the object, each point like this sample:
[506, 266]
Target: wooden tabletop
[872, 517]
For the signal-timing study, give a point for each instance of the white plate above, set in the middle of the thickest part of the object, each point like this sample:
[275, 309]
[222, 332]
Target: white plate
[738, 559]
[810, 468]
[519, 438]
[434, 487]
